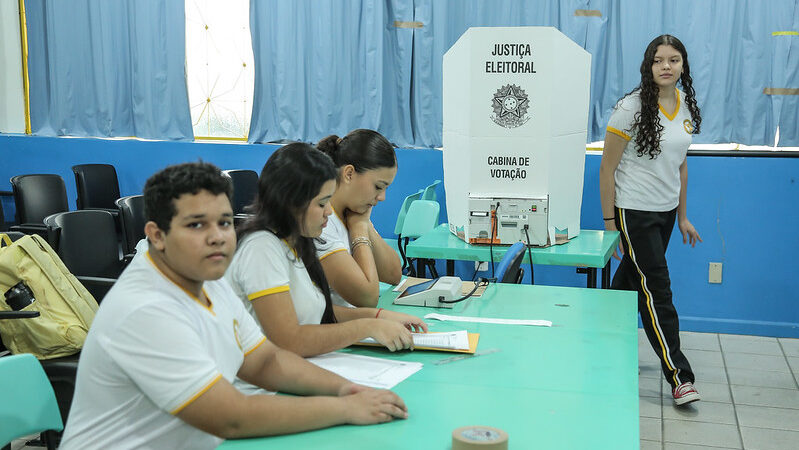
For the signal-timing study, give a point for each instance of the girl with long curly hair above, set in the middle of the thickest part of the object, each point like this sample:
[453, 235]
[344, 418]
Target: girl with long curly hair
[643, 179]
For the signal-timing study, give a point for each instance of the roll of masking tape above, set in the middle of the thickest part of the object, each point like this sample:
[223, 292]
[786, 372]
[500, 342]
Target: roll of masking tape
[479, 437]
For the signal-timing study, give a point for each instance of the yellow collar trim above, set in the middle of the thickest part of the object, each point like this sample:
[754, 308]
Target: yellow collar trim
[676, 108]
[209, 306]
[293, 250]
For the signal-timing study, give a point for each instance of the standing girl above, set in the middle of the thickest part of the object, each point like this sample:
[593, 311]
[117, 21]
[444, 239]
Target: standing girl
[643, 179]
[354, 257]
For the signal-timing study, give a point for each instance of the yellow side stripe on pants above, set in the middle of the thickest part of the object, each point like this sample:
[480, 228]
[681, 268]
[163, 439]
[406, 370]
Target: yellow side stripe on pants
[649, 302]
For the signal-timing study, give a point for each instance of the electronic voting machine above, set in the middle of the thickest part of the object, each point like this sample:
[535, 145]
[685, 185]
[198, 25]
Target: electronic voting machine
[430, 293]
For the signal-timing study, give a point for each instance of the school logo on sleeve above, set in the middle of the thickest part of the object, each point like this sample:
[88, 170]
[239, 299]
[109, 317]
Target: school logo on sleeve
[688, 125]
[510, 104]
[236, 334]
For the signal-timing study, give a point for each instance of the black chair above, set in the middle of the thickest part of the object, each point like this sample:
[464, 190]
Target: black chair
[132, 219]
[245, 186]
[4, 194]
[98, 187]
[86, 241]
[37, 196]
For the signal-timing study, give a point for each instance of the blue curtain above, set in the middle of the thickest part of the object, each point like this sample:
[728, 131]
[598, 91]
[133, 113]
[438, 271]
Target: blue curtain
[319, 63]
[324, 67]
[785, 74]
[101, 68]
[446, 20]
[328, 66]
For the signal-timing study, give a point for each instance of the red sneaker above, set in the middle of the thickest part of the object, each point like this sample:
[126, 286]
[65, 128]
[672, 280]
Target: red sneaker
[685, 393]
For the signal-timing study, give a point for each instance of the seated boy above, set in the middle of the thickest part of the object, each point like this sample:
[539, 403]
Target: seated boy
[171, 335]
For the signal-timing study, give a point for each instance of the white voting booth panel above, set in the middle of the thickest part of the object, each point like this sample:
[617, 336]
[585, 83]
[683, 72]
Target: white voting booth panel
[515, 123]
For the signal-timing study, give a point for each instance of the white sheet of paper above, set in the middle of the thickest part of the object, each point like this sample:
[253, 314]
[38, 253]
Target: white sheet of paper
[367, 370]
[538, 323]
[454, 340]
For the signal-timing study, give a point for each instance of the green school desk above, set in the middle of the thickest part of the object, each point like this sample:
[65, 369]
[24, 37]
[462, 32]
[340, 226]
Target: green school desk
[570, 386]
[589, 251]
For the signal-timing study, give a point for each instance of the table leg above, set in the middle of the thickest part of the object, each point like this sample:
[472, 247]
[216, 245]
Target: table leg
[420, 269]
[451, 267]
[606, 276]
[591, 276]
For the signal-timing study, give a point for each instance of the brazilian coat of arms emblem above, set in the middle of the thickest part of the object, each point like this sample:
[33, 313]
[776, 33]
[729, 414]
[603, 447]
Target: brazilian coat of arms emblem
[510, 104]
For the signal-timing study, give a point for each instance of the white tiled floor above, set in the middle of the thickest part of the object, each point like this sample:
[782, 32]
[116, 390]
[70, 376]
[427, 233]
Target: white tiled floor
[750, 395]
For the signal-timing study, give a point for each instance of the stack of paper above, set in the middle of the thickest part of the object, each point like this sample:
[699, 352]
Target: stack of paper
[450, 341]
[366, 370]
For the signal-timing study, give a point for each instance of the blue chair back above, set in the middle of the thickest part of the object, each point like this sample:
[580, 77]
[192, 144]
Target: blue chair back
[403, 212]
[509, 269]
[29, 405]
[422, 217]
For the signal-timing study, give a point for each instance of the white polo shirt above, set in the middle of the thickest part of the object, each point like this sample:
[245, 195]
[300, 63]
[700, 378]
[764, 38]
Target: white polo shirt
[643, 183]
[151, 350]
[335, 238]
[264, 264]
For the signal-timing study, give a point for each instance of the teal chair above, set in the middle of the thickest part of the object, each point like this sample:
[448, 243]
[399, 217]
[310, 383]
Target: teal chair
[406, 204]
[421, 218]
[29, 405]
[430, 191]
[403, 212]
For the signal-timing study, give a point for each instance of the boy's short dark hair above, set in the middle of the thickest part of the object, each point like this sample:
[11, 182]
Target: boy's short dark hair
[169, 184]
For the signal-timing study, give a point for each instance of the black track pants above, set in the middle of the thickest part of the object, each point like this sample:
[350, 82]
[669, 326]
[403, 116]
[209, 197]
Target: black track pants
[644, 237]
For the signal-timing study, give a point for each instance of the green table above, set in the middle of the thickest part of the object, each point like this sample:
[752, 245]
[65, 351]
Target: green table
[574, 385]
[589, 251]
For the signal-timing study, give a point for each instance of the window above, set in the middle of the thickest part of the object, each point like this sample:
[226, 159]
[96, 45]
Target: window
[219, 68]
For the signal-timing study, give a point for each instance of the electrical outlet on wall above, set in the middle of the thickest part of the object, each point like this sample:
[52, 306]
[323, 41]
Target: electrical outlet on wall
[480, 266]
[714, 273]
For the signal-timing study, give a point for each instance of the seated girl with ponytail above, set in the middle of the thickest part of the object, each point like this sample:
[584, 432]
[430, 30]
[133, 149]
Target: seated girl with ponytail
[276, 273]
[354, 256]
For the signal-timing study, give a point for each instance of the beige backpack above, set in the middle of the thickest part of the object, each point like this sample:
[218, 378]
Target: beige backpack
[66, 308]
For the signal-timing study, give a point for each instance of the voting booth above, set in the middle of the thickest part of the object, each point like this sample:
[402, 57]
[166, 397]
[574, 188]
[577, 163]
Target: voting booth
[515, 117]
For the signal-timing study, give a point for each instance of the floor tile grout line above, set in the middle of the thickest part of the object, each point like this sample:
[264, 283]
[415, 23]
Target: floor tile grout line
[732, 398]
[745, 353]
[772, 429]
[789, 371]
[795, 381]
[769, 406]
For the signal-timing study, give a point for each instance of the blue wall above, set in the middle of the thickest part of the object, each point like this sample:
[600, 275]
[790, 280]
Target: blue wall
[136, 160]
[744, 209]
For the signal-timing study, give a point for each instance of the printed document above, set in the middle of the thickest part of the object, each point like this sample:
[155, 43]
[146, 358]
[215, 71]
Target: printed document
[378, 373]
[450, 340]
